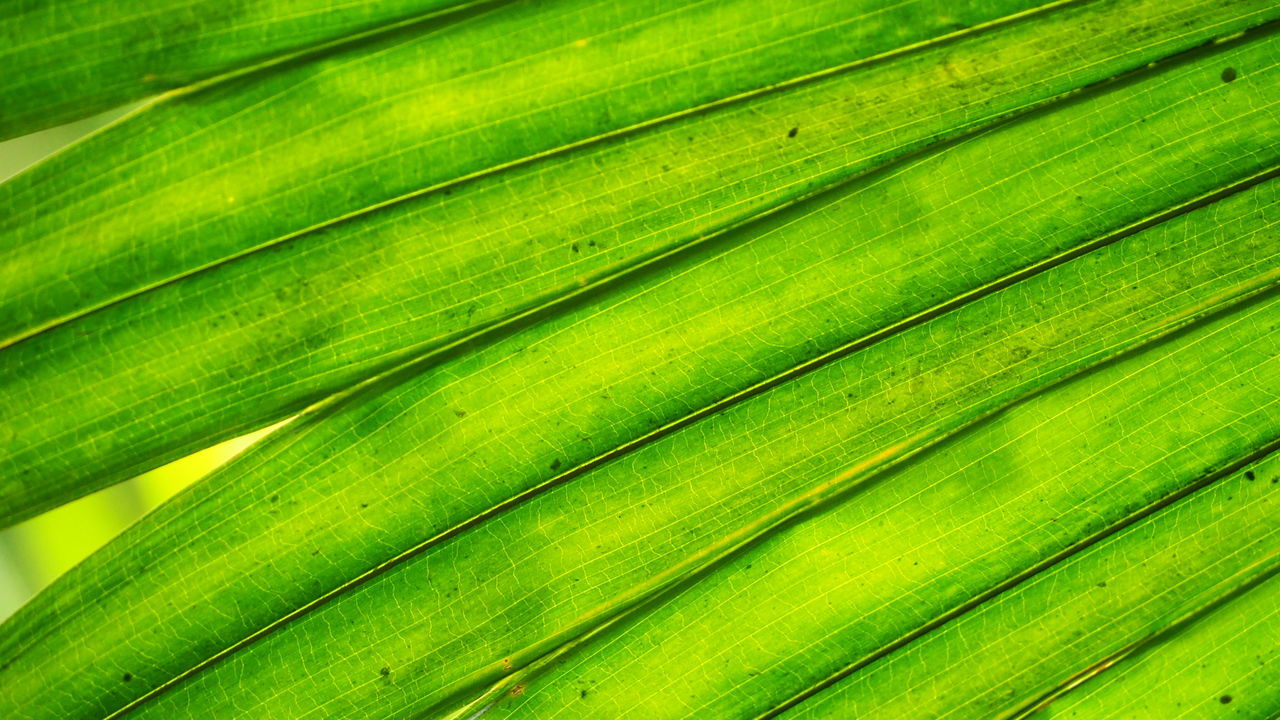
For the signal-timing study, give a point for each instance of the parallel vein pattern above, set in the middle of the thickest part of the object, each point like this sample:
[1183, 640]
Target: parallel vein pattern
[252, 340]
[984, 508]
[673, 360]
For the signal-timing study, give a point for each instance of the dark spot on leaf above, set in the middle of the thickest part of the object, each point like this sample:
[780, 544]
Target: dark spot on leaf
[1227, 76]
[274, 498]
[582, 693]
[517, 690]
[460, 413]
[127, 677]
[555, 464]
[793, 132]
[384, 671]
[1224, 699]
[574, 247]
[1248, 475]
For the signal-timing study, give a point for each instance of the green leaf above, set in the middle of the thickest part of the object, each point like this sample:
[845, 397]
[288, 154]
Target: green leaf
[68, 60]
[1229, 657]
[667, 360]
[317, 506]
[275, 320]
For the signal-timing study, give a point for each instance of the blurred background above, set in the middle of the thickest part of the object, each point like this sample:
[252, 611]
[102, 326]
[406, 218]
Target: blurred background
[36, 552]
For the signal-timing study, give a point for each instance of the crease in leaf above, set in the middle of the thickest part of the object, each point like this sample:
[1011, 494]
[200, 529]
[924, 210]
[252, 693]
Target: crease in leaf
[270, 333]
[1085, 120]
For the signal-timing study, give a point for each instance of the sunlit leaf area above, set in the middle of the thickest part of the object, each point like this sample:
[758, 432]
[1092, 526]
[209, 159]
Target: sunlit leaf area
[640, 359]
